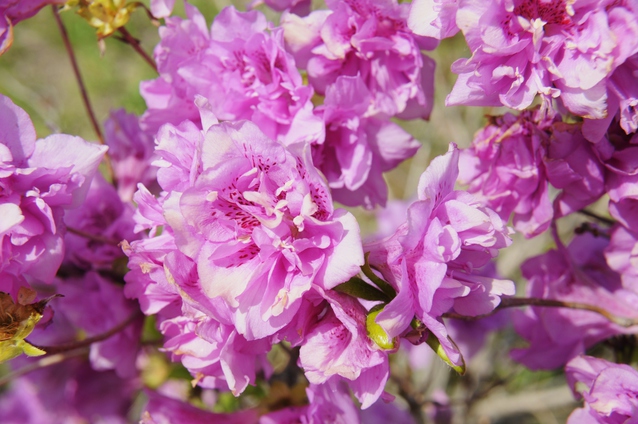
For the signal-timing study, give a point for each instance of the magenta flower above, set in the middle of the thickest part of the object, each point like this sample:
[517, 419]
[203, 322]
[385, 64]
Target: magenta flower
[622, 103]
[170, 98]
[104, 216]
[609, 391]
[216, 356]
[338, 345]
[328, 403]
[96, 305]
[39, 180]
[259, 223]
[358, 149]
[298, 7]
[577, 274]
[67, 392]
[130, 151]
[434, 18]
[162, 8]
[198, 331]
[248, 231]
[504, 168]
[430, 260]
[513, 160]
[622, 256]
[369, 39]
[573, 166]
[559, 49]
[241, 69]
[162, 409]
[618, 153]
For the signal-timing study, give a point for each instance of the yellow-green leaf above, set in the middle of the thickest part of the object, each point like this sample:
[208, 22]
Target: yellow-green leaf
[376, 333]
[435, 344]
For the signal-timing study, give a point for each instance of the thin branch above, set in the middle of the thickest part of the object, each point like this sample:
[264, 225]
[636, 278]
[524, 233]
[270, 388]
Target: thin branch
[78, 75]
[93, 237]
[90, 340]
[42, 363]
[512, 302]
[83, 92]
[602, 219]
[135, 43]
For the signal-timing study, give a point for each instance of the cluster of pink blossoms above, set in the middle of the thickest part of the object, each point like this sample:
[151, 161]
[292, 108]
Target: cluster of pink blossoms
[549, 162]
[215, 214]
[565, 50]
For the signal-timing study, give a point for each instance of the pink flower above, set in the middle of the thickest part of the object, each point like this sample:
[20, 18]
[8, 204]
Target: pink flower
[577, 274]
[504, 168]
[557, 49]
[622, 256]
[69, 391]
[298, 7]
[162, 409]
[260, 225]
[96, 305]
[358, 149]
[130, 151]
[39, 180]
[431, 258]
[241, 69]
[618, 153]
[212, 352]
[513, 160]
[104, 216]
[328, 403]
[434, 18]
[338, 345]
[609, 391]
[369, 39]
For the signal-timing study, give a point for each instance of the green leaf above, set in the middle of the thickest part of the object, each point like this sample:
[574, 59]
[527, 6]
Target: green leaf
[358, 288]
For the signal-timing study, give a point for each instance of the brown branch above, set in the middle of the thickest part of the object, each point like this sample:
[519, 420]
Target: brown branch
[78, 75]
[602, 219]
[85, 96]
[42, 363]
[90, 340]
[135, 43]
[512, 302]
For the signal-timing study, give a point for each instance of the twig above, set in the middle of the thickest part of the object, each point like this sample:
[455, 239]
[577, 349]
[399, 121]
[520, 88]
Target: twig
[78, 75]
[597, 217]
[93, 237]
[42, 363]
[90, 340]
[135, 43]
[512, 302]
[83, 92]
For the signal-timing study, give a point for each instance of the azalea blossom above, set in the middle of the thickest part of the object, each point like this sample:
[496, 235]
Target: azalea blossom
[357, 149]
[575, 274]
[609, 390]
[239, 67]
[431, 258]
[39, 180]
[369, 39]
[563, 50]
